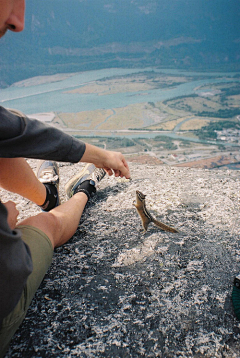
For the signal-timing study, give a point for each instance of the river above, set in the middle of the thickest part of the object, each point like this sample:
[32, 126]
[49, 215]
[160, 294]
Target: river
[54, 97]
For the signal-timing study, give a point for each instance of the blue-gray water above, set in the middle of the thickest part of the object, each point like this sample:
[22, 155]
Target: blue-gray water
[53, 97]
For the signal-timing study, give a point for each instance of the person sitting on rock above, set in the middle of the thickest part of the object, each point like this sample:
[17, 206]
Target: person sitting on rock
[26, 248]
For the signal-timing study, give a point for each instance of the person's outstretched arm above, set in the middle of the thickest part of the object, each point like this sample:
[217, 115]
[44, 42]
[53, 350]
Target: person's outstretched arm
[29, 138]
[21, 137]
[112, 162]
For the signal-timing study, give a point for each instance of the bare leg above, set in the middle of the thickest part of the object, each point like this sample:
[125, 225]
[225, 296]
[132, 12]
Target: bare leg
[17, 176]
[60, 223]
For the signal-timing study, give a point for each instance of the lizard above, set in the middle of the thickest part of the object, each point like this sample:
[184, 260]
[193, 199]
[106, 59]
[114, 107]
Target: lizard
[145, 216]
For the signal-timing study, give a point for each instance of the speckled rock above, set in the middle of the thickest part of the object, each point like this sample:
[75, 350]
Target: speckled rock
[114, 292]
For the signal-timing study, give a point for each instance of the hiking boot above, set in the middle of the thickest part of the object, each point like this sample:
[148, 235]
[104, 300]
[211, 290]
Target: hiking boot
[85, 181]
[48, 174]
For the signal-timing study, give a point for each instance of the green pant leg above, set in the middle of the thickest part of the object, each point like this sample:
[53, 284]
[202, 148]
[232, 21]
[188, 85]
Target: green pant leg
[41, 251]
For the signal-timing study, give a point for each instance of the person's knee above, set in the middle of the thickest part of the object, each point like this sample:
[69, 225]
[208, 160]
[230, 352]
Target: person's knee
[49, 223]
[3, 163]
[9, 162]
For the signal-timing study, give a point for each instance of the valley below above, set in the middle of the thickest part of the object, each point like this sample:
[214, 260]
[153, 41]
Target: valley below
[179, 131]
[161, 116]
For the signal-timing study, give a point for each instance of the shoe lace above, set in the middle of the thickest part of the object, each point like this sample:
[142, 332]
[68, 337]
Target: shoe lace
[48, 177]
[99, 174]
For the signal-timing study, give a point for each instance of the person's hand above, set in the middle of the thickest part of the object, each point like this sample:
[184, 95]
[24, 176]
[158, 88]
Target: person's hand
[12, 214]
[111, 162]
[115, 163]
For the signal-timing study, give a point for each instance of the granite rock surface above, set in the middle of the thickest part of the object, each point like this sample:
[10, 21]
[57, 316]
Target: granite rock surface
[113, 291]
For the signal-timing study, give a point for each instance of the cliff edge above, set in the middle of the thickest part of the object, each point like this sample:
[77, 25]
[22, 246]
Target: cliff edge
[114, 292]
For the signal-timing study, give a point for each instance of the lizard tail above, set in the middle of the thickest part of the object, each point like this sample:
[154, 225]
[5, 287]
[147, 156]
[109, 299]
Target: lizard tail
[163, 226]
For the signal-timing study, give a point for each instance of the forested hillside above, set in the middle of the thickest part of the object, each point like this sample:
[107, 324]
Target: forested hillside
[76, 35]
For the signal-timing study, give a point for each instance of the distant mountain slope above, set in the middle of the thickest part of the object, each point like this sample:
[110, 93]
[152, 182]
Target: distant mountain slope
[60, 35]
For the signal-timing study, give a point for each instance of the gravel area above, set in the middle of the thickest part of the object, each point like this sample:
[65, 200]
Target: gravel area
[113, 291]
